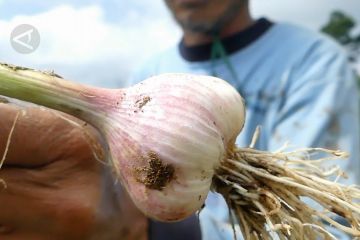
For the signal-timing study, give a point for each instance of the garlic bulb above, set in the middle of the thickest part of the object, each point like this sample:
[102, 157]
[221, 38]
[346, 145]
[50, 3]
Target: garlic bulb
[166, 135]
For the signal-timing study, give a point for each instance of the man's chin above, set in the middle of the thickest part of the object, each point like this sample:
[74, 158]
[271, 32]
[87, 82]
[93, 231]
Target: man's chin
[197, 27]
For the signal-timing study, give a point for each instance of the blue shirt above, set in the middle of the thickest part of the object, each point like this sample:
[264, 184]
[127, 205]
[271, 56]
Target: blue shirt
[297, 84]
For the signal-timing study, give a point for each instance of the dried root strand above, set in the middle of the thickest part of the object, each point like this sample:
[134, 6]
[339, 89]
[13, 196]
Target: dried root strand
[266, 193]
[7, 146]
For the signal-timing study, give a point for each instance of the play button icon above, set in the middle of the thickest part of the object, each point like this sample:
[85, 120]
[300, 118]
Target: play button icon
[25, 38]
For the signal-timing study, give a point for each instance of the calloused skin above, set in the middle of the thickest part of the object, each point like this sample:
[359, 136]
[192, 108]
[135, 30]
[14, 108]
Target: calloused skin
[55, 187]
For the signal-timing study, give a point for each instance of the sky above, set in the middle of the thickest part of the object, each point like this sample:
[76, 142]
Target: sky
[101, 42]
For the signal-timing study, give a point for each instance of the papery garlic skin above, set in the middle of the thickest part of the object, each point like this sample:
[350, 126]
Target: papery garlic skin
[168, 136]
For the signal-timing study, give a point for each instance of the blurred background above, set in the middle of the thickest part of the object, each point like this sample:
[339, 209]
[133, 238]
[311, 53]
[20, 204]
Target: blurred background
[101, 42]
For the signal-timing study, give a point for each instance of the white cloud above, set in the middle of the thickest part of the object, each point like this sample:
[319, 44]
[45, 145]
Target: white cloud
[81, 44]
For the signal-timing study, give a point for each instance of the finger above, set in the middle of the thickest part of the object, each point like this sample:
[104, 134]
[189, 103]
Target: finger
[40, 136]
[70, 200]
[46, 203]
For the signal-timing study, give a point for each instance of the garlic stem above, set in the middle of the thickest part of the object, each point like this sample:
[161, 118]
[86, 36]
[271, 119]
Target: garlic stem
[47, 89]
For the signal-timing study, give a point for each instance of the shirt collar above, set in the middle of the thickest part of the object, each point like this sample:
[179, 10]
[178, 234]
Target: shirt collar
[231, 43]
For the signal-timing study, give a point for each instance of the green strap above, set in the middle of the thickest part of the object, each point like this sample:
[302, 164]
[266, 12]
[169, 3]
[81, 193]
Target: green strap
[218, 51]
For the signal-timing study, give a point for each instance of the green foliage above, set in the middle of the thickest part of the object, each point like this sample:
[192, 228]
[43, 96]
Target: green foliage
[340, 27]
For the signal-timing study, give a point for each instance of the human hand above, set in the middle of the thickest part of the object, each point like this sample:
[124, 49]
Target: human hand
[55, 186]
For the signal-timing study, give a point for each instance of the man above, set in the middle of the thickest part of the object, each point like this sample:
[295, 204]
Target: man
[297, 84]
[293, 82]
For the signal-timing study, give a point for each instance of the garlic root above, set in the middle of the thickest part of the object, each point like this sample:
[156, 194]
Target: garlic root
[265, 195]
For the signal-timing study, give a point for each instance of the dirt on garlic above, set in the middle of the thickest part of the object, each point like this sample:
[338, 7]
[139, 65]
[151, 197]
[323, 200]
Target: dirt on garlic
[157, 174]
